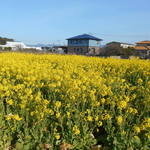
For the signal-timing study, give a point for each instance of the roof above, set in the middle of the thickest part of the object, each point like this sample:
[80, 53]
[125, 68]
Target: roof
[143, 42]
[127, 43]
[6, 46]
[142, 47]
[61, 46]
[85, 37]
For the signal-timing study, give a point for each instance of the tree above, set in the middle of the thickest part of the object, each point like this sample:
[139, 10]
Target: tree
[112, 48]
[4, 40]
[128, 51]
[7, 48]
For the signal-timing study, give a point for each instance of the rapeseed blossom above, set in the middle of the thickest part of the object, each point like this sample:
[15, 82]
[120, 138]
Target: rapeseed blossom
[10, 102]
[14, 117]
[119, 120]
[54, 98]
[137, 129]
[76, 130]
[57, 104]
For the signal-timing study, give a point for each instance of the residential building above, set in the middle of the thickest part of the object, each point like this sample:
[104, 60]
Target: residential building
[13, 45]
[60, 49]
[143, 43]
[18, 46]
[84, 44]
[127, 45]
[143, 48]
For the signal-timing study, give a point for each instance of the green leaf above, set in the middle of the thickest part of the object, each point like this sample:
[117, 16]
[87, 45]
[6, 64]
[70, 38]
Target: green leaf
[19, 146]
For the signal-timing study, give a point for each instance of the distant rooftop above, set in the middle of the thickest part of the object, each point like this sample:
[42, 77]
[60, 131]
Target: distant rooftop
[84, 37]
[143, 42]
[127, 43]
[142, 47]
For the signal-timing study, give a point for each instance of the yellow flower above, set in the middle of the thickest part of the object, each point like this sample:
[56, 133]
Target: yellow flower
[68, 114]
[106, 117]
[130, 110]
[119, 120]
[137, 129]
[96, 118]
[10, 102]
[57, 136]
[97, 103]
[122, 104]
[90, 118]
[103, 100]
[9, 117]
[46, 102]
[32, 113]
[54, 89]
[100, 124]
[22, 106]
[140, 81]
[57, 115]
[88, 111]
[42, 115]
[49, 111]
[135, 111]
[136, 138]
[57, 104]
[76, 130]
[16, 117]
[123, 132]
[147, 135]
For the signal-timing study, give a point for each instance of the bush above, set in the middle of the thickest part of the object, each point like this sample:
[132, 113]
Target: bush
[7, 49]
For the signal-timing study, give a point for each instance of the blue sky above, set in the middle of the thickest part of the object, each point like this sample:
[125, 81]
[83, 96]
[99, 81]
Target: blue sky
[49, 21]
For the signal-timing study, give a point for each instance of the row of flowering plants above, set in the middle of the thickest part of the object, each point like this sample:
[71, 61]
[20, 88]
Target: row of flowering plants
[73, 102]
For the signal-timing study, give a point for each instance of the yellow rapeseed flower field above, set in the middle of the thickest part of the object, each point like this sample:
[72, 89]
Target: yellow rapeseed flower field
[47, 101]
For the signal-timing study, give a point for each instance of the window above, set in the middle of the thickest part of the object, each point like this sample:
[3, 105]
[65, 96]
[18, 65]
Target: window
[75, 42]
[70, 41]
[97, 42]
[79, 41]
[78, 50]
[93, 50]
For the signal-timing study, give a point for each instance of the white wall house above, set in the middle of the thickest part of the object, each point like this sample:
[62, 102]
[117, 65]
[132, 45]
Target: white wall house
[18, 45]
[126, 45]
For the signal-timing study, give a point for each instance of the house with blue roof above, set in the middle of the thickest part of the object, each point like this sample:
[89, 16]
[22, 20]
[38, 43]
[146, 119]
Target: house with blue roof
[84, 44]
